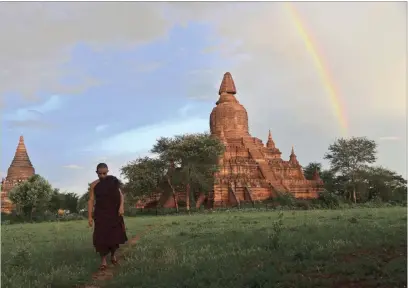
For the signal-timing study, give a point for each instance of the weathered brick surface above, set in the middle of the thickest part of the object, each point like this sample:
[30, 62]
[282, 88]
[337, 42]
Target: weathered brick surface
[20, 170]
[248, 164]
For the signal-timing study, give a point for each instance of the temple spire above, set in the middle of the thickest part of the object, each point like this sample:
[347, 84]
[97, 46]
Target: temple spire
[293, 158]
[270, 143]
[227, 90]
[227, 85]
[21, 145]
[21, 161]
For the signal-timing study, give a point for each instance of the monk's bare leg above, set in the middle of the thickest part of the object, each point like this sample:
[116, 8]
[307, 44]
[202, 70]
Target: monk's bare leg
[103, 259]
[113, 256]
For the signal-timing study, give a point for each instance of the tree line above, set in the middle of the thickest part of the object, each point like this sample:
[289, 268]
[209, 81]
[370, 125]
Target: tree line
[188, 163]
[353, 175]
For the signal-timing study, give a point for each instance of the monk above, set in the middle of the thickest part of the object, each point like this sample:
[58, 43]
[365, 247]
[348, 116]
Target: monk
[109, 231]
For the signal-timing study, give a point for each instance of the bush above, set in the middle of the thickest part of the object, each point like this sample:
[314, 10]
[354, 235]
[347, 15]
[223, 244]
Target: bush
[285, 199]
[71, 217]
[303, 204]
[328, 200]
[38, 217]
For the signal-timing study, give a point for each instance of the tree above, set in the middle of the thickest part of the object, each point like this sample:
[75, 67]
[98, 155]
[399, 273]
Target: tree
[70, 202]
[143, 176]
[56, 200]
[30, 194]
[310, 169]
[350, 156]
[83, 200]
[380, 182]
[194, 160]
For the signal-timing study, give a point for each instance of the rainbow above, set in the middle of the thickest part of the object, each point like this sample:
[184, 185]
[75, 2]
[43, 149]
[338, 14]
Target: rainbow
[324, 73]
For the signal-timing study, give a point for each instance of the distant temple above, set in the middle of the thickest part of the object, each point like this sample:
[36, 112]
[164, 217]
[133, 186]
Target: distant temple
[249, 170]
[20, 170]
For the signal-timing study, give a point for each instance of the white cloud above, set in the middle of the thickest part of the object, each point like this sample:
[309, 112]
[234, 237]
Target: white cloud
[73, 166]
[31, 116]
[33, 112]
[143, 138]
[37, 39]
[87, 174]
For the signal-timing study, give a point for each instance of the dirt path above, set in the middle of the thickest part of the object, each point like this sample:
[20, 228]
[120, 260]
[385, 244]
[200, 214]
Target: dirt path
[109, 272]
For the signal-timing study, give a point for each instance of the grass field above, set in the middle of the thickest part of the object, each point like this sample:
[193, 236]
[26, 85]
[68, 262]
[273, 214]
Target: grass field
[318, 248]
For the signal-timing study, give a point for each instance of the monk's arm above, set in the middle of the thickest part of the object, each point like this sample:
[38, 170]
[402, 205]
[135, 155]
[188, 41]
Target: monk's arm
[122, 199]
[91, 201]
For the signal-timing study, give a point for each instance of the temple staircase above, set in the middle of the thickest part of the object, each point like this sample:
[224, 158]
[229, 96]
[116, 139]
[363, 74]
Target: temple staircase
[248, 195]
[266, 171]
[233, 195]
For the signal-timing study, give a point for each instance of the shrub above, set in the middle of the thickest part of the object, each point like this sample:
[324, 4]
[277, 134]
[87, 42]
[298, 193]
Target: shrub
[71, 217]
[303, 204]
[328, 200]
[285, 199]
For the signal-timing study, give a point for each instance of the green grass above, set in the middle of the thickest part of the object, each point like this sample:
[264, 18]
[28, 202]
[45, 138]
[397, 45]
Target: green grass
[319, 248]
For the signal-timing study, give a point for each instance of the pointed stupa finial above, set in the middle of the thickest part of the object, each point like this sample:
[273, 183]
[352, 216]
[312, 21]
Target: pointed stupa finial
[227, 85]
[21, 146]
[270, 143]
[292, 157]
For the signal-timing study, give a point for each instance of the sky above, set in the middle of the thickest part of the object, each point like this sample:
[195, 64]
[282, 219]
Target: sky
[89, 82]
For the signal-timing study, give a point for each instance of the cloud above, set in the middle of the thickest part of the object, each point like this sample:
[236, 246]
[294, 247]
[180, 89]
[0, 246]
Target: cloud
[53, 30]
[55, 102]
[390, 138]
[87, 174]
[143, 138]
[31, 116]
[73, 166]
[101, 128]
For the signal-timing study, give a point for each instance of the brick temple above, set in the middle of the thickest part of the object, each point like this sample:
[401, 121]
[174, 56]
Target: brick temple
[20, 170]
[249, 170]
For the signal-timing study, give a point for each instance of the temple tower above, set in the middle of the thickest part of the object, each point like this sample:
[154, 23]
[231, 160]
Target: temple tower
[20, 170]
[292, 158]
[270, 144]
[229, 115]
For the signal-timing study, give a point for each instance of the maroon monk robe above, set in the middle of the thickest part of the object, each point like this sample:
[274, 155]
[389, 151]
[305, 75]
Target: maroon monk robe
[109, 229]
